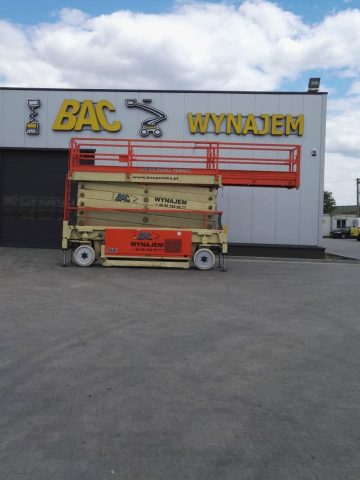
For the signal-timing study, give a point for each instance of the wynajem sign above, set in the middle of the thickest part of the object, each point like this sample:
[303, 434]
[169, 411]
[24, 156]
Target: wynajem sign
[239, 124]
[75, 115]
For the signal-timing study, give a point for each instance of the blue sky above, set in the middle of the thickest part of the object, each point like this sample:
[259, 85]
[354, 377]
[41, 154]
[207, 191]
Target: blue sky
[263, 45]
[311, 12]
[34, 11]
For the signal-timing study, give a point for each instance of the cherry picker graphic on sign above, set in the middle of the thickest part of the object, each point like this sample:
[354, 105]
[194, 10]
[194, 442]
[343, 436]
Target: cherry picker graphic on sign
[150, 125]
[32, 125]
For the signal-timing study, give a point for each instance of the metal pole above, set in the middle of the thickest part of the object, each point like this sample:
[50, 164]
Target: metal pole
[358, 196]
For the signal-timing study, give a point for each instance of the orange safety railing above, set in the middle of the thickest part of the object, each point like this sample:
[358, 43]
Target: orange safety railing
[242, 164]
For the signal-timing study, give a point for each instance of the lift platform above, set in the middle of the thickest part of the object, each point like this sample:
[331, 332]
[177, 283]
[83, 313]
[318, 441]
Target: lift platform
[185, 162]
[153, 202]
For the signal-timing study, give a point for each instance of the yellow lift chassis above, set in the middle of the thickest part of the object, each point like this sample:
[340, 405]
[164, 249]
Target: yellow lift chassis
[122, 222]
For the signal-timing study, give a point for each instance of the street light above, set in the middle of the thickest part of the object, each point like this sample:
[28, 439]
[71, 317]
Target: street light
[314, 85]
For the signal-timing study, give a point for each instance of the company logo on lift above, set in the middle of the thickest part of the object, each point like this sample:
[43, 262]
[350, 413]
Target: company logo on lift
[122, 197]
[147, 236]
[150, 125]
[146, 240]
[32, 125]
[125, 197]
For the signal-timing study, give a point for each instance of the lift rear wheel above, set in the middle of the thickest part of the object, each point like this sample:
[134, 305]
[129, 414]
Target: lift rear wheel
[204, 259]
[84, 256]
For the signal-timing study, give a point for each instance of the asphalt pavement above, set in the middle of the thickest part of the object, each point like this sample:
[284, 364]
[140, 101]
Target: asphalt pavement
[347, 247]
[151, 374]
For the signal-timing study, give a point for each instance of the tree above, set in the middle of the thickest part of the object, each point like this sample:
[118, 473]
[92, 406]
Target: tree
[329, 202]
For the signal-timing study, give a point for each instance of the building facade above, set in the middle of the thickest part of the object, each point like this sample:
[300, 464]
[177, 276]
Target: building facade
[37, 124]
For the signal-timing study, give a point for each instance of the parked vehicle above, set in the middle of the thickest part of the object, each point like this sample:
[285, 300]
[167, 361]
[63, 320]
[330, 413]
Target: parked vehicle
[343, 232]
[355, 228]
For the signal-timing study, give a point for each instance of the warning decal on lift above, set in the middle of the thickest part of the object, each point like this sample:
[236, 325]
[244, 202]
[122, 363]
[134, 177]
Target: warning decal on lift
[153, 243]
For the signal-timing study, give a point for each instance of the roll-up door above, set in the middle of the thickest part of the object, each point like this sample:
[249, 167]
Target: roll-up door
[31, 197]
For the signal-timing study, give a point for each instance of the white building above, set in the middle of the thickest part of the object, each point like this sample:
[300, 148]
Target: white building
[332, 221]
[37, 124]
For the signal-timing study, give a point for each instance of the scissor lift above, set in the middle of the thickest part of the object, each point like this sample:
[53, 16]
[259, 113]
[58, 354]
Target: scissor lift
[153, 202]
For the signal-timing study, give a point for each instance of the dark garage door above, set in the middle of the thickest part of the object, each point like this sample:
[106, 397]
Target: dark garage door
[31, 197]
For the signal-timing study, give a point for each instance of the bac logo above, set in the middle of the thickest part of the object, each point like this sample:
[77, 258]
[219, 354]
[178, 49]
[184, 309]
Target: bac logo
[75, 115]
[125, 197]
[146, 236]
[122, 197]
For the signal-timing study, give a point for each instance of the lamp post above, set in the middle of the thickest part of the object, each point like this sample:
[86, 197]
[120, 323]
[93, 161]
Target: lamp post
[314, 85]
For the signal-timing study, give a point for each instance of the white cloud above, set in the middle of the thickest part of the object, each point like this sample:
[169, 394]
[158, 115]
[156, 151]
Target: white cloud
[342, 164]
[20, 63]
[355, 88]
[340, 178]
[73, 16]
[255, 45]
[252, 46]
[343, 119]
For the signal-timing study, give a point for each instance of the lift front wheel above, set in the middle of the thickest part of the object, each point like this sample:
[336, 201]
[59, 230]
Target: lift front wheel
[204, 259]
[84, 256]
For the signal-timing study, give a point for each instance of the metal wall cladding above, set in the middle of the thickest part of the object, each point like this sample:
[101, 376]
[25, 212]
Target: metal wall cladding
[253, 214]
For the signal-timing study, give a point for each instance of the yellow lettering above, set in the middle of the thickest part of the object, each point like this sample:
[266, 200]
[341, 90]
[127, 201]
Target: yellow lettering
[87, 116]
[293, 124]
[115, 126]
[276, 123]
[233, 123]
[250, 125]
[66, 117]
[198, 123]
[74, 115]
[217, 119]
[265, 130]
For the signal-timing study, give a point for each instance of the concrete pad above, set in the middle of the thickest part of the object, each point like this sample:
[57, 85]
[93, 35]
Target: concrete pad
[347, 247]
[168, 374]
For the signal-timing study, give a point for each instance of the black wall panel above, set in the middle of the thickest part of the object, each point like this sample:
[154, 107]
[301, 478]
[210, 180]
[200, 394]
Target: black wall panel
[32, 197]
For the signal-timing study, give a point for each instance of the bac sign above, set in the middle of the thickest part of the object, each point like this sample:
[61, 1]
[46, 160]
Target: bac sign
[75, 115]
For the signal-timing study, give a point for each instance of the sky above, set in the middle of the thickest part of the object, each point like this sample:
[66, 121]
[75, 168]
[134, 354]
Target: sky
[200, 45]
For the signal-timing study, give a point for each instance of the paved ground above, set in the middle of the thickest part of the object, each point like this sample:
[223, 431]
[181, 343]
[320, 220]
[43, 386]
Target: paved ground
[347, 247]
[161, 374]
